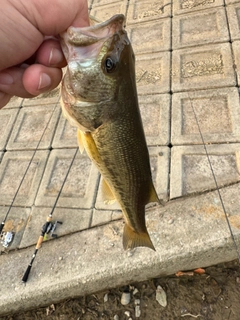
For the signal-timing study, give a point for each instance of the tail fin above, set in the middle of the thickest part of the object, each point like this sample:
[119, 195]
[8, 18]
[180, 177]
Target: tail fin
[132, 239]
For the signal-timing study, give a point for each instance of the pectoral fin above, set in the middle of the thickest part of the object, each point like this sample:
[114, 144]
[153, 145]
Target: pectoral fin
[86, 141]
[108, 196]
[132, 239]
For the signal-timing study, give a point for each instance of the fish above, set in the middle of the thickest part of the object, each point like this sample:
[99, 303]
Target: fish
[99, 97]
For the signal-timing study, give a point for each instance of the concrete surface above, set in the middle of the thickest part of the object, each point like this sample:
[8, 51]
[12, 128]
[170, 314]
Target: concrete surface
[187, 55]
[186, 234]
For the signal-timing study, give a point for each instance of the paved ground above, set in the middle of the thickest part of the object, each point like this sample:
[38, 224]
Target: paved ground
[187, 56]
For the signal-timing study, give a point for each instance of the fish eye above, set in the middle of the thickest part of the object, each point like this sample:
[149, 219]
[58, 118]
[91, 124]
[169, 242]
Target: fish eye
[110, 65]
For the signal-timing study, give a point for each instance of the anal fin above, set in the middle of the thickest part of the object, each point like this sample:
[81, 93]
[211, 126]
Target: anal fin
[153, 197]
[108, 196]
[133, 239]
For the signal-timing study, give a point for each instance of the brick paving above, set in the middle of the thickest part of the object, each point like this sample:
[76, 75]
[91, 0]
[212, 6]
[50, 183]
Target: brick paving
[187, 55]
[184, 53]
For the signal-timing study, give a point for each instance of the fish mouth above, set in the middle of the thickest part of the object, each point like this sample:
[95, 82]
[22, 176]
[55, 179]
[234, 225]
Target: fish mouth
[81, 43]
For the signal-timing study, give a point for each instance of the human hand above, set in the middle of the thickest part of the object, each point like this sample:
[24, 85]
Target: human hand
[30, 54]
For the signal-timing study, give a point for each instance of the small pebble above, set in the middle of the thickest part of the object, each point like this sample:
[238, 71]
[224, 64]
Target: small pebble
[215, 287]
[105, 298]
[125, 298]
[130, 252]
[137, 311]
[135, 291]
[50, 309]
[127, 313]
[116, 317]
[161, 296]
[137, 302]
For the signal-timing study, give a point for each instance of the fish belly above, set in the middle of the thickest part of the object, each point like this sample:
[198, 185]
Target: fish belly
[121, 156]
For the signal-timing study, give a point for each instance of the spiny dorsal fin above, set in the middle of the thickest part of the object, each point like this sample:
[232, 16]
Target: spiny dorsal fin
[132, 239]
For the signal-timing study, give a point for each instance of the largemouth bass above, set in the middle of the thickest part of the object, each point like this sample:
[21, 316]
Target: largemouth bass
[99, 97]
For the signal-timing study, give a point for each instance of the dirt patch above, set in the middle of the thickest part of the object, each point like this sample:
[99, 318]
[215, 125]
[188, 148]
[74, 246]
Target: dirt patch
[214, 295]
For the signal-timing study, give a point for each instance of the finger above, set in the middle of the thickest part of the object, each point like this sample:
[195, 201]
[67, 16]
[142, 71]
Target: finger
[29, 82]
[50, 54]
[4, 99]
[38, 78]
[82, 17]
[59, 15]
[11, 82]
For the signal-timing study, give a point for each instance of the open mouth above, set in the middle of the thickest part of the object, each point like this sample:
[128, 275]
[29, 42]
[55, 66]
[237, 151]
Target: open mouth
[85, 43]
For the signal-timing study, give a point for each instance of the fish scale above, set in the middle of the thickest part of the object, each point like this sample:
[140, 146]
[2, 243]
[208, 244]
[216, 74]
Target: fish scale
[99, 96]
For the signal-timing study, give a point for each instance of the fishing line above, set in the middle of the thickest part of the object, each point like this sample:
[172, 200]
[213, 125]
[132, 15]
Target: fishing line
[215, 181]
[126, 12]
[90, 6]
[28, 166]
[64, 180]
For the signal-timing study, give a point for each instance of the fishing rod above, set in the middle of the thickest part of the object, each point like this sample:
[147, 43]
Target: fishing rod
[215, 181]
[48, 227]
[25, 172]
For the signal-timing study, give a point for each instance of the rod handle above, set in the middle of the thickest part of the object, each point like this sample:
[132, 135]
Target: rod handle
[26, 274]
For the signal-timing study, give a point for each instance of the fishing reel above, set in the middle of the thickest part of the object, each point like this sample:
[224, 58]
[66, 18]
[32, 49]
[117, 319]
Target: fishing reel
[49, 227]
[6, 238]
